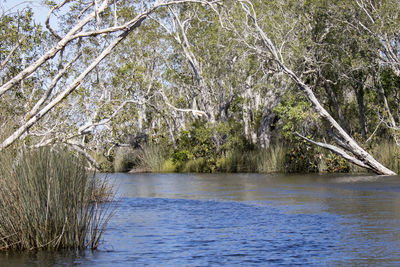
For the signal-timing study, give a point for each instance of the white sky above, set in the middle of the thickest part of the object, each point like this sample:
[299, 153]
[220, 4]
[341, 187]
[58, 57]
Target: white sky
[38, 8]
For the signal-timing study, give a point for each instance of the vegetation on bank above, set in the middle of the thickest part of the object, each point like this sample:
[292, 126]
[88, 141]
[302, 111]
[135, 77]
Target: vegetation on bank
[215, 86]
[204, 149]
[49, 201]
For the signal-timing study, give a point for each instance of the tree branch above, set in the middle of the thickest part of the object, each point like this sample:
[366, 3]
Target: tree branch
[336, 150]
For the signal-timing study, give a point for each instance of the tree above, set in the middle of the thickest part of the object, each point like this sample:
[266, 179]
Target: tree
[272, 45]
[68, 69]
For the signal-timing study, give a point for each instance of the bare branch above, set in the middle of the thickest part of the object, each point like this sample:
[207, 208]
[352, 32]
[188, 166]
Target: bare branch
[47, 22]
[337, 151]
[52, 52]
[52, 85]
[90, 125]
[194, 111]
[72, 35]
[5, 61]
[376, 129]
[68, 90]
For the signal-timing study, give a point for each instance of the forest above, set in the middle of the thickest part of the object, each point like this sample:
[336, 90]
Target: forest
[206, 86]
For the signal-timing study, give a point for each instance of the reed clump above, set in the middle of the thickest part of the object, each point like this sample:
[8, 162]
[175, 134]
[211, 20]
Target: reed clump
[388, 153]
[153, 157]
[272, 159]
[269, 160]
[49, 201]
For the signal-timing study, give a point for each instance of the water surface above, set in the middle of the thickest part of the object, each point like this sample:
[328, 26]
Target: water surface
[244, 220]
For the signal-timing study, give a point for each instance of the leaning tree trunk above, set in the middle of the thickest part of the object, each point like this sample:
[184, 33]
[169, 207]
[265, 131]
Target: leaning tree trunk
[359, 156]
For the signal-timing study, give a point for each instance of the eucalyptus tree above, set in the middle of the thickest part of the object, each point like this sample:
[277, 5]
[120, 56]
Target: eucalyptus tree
[20, 41]
[380, 21]
[213, 72]
[280, 33]
[92, 29]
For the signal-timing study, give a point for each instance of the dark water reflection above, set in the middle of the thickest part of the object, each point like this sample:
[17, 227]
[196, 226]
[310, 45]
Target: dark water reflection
[244, 220]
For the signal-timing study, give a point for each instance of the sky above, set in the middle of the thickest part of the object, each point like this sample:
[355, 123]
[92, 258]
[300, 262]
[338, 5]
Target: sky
[14, 5]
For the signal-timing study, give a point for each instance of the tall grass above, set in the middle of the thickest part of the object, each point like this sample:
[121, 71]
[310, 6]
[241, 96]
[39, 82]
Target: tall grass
[262, 160]
[153, 157]
[237, 161]
[49, 201]
[388, 153]
[271, 160]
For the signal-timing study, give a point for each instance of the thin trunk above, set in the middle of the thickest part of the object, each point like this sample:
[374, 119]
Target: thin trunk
[361, 110]
[338, 108]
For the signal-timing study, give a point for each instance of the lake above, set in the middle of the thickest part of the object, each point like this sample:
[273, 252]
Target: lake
[244, 220]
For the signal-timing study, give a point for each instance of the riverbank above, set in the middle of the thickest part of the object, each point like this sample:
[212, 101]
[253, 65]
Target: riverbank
[276, 159]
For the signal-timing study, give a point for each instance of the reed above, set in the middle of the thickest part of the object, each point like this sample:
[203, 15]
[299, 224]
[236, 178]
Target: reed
[388, 153]
[153, 158]
[261, 160]
[49, 201]
[271, 160]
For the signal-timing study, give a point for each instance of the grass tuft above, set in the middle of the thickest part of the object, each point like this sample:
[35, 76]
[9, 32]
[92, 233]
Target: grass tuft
[49, 201]
[153, 157]
[271, 160]
[388, 153]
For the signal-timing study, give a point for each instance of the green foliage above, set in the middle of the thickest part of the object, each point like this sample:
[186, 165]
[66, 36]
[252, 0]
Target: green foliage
[49, 201]
[202, 147]
[197, 139]
[297, 115]
[301, 157]
[390, 81]
[181, 156]
[193, 144]
[336, 164]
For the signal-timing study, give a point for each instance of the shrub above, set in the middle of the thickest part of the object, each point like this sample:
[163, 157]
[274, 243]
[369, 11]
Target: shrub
[335, 164]
[180, 157]
[49, 201]
[302, 157]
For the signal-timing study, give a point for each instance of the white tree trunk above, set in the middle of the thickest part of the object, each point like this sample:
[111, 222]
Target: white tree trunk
[361, 157]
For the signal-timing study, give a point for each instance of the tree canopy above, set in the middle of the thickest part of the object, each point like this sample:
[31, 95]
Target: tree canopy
[202, 78]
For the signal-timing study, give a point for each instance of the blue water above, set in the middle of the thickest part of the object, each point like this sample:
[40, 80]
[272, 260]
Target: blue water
[244, 220]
